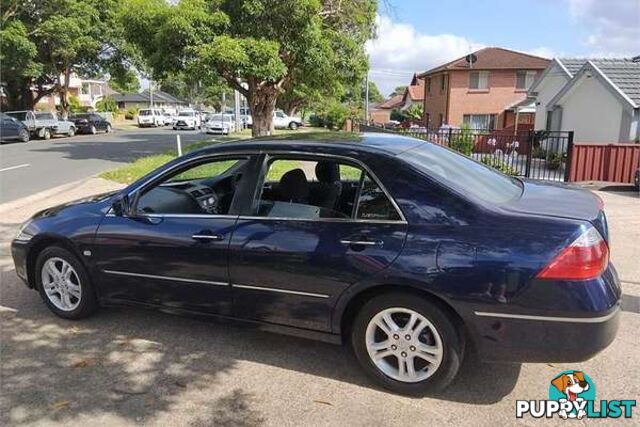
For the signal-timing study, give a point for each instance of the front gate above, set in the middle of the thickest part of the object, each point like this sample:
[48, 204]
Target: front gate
[543, 155]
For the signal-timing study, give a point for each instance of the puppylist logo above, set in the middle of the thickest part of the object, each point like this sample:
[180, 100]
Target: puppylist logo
[572, 395]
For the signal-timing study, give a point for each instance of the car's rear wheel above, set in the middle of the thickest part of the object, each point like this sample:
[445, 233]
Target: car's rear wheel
[407, 344]
[293, 126]
[64, 284]
[24, 135]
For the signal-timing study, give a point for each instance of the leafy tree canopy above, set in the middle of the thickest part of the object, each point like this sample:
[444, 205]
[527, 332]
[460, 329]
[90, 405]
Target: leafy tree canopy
[399, 90]
[297, 47]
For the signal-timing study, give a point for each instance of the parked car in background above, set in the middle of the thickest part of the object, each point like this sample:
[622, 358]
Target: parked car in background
[90, 123]
[334, 245]
[150, 117]
[169, 118]
[12, 129]
[282, 121]
[187, 119]
[220, 123]
[65, 127]
[40, 124]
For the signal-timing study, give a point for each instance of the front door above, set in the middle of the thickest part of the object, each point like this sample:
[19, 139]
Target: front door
[172, 249]
[318, 226]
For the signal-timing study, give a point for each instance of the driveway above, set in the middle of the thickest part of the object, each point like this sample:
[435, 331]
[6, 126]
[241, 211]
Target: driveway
[127, 367]
[39, 165]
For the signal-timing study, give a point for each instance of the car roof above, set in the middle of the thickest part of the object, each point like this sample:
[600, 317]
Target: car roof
[334, 142]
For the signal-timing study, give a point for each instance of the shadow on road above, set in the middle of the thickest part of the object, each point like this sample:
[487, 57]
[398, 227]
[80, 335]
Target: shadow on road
[136, 364]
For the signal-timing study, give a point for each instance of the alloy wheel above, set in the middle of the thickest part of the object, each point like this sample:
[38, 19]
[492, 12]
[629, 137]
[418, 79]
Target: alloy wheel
[24, 136]
[404, 344]
[61, 284]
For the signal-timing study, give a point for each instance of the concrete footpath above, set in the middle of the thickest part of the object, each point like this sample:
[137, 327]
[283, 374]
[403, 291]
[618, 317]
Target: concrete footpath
[130, 367]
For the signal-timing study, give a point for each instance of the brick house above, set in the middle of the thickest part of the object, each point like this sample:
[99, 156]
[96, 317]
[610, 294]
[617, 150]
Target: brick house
[414, 93]
[487, 94]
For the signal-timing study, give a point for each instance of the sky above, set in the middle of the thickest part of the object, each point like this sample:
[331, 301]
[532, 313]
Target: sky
[416, 35]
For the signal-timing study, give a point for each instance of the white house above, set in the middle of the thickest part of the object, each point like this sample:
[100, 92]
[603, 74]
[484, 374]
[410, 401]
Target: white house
[598, 99]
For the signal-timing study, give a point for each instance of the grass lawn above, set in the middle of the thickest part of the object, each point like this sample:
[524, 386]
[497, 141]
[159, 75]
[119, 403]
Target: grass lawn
[131, 172]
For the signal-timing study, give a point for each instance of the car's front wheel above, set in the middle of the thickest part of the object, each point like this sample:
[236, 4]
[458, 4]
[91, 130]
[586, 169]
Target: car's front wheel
[72, 131]
[93, 130]
[108, 129]
[293, 126]
[64, 285]
[407, 344]
[24, 135]
[46, 134]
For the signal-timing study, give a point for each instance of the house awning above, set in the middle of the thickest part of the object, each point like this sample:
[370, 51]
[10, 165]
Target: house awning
[527, 105]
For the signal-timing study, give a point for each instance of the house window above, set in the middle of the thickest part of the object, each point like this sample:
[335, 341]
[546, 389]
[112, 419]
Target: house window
[480, 121]
[479, 80]
[443, 83]
[429, 85]
[85, 89]
[524, 79]
[441, 122]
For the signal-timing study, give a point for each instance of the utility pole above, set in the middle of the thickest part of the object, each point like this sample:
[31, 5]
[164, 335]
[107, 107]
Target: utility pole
[366, 98]
[236, 102]
[150, 93]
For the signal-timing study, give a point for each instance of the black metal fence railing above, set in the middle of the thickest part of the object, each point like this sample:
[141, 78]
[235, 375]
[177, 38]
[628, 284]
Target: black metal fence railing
[541, 155]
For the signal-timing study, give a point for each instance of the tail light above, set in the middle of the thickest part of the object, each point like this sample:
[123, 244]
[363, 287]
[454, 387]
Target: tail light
[586, 258]
[599, 201]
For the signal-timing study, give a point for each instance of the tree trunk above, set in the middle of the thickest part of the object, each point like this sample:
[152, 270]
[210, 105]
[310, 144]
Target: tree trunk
[262, 101]
[64, 93]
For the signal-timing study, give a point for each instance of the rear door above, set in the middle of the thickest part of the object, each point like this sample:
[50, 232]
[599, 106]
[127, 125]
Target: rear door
[289, 260]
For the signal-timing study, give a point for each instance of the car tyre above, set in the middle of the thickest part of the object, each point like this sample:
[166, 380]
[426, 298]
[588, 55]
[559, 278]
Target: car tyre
[93, 130]
[108, 130]
[76, 298]
[293, 126]
[46, 134]
[439, 334]
[71, 132]
[24, 135]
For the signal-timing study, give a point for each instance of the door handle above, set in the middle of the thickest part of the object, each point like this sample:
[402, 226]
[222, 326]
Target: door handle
[207, 237]
[362, 242]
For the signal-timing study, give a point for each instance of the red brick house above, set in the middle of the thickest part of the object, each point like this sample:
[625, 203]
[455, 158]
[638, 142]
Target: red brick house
[414, 93]
[485, 93]
[381, 113]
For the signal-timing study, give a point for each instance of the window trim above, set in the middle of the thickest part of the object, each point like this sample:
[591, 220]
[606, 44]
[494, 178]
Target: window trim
[292, 155]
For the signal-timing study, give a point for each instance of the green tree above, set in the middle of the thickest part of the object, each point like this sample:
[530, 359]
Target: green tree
[107, 104]
[125, 82]
[414, 112]
[399, 90]
[374, 93]
[271, 46]
[44, 41]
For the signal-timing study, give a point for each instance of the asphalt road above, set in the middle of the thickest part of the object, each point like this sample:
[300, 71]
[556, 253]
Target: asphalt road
[38, 165]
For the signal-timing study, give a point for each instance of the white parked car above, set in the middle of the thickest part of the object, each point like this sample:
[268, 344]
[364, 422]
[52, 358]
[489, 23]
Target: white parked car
[187, 119]
[65, 127]
[220, 123]
[150, 117]
[282, 121]
[169, 118]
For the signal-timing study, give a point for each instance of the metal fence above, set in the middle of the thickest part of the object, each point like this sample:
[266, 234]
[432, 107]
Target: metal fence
[541, 155]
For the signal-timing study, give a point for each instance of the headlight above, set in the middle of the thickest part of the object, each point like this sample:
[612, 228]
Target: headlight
[21, 235]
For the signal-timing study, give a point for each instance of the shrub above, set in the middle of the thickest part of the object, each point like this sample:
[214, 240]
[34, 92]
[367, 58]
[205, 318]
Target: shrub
[498, 164]
[554, 160]
[74, 104]
[462, 141]
[336, 115]
[316, 120]
[539, 153]
[130, 113]
[107, 104]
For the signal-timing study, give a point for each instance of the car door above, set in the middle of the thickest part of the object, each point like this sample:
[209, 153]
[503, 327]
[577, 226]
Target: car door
[10, 128]
[171, 250]
[290, 261]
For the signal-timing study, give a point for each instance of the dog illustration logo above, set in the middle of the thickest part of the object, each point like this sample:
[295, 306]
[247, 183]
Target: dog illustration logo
[572, 386]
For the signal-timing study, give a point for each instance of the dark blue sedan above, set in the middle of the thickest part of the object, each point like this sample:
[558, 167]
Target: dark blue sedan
[412, 253]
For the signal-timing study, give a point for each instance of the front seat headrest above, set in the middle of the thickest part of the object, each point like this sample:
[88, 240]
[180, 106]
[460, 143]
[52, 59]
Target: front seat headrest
[293, 186]
[327, 172]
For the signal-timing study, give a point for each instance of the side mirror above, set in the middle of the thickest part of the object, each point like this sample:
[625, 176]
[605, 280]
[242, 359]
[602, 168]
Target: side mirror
[121, 206]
